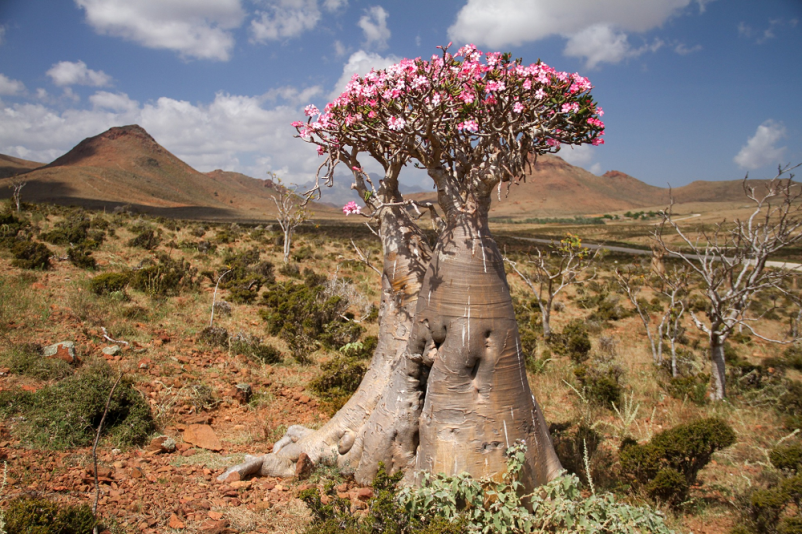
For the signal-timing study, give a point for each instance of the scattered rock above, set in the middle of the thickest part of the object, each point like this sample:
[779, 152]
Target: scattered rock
[64, 350]
[175, 522]
[232, 478]
[162, 444]
[243, 393]
[112, 350]
[304, 466]
[202, 436]
[364, 494]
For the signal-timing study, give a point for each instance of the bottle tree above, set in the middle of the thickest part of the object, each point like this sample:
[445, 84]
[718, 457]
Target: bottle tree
[456, 396]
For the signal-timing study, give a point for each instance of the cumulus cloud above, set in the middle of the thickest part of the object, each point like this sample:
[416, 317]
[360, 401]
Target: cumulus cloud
[9, 87]
[232, 132]
[193, 28]
[605, 23]
[374, 26]
[761, 149]
[66, 73]
[579, 155]
[684, 50]
[334, 5]
[360, 63]
[602, 44]
[283, 19]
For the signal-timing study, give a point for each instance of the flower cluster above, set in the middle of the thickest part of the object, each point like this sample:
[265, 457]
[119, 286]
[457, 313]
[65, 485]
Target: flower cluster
[351, 207]
[497, 106]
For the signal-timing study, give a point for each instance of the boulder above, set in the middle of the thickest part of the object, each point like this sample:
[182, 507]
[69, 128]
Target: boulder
[64, 350]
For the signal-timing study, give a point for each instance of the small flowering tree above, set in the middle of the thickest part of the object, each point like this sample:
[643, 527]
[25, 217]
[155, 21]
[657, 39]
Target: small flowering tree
[455, 396]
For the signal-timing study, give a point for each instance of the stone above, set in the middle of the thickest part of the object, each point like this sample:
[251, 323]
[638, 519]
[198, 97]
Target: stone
[64, 350]
[202, 436]
[233, 477]
[175, 522]
[304, 466]
[112, 350]
[364, 494]
[162, 444]
[243, 393]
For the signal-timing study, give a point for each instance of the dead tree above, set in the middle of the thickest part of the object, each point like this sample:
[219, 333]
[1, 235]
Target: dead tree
[454, 396]
[291, 211]
[673, 285]
[16, 186]
[555, 271]
[731, 262]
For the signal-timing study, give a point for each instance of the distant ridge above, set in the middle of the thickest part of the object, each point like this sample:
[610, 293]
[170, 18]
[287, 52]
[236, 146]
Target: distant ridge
[11, 166]
[126, 165]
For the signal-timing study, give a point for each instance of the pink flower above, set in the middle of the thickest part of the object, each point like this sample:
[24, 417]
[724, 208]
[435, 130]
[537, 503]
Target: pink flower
[598, 141]
[350, 208]
[518, 107]
[320, 150]
[470, 126]
[571, 107]
[297, 124]
[599, 111]
[311, 110]
[396, 123]
[552, 142]
[357, 169]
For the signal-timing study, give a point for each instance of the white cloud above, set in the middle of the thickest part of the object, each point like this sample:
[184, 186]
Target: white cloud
[770, 32]
[578, 155]
[374, 26]
[761, 149]
[684, 50]
[9, 87]
[334, 5]
[113, 101]
[193, 28]
[292, 95]
[339, 49]
[360, 63]
[503, 23]
[284, 19]
[597, 30]
[596, 169]
[66, 73]
[232, 132]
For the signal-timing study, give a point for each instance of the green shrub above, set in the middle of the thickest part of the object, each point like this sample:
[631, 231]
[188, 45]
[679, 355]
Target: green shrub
[75, 230]
[168, 277]
[693, 387]
[10, 227]
[302, 316]
[792, 357]
[246, 275]
[148, 240]
[34, 515]
[339, 378]
[253, 348]
[669, 485]
[27, 360]
[685, 448]
[570, 442]
[81, 257]
[786, 457]
[31, 255]
[106, 283]
[214, 336]
[573, 341]
[67, 413]
[601, 379]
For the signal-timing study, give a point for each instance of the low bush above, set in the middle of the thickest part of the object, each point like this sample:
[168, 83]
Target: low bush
[214, 336]
[36, 515]
[340, 376]
[27, 360]
[573, 341]
[31, 255]
[81, 256]
[602, 380]
[67, 413]
[246, 275]
[106, 283]
[459, 504]
[253, 348]
[10, 227]
[685, 449]
[305, 319]
[166, 277]
[76, 229]
[571, 441]
[149, 240]
[693, 387]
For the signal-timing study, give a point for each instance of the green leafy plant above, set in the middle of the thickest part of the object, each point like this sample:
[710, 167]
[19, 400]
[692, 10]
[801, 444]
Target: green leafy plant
[31, 255]
[37, 515]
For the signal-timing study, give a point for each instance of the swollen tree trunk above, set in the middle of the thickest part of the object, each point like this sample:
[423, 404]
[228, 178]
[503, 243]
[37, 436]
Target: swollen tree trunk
[338, 442]
[545, 314]
[287, 243]
[460, 397]
[718, 364]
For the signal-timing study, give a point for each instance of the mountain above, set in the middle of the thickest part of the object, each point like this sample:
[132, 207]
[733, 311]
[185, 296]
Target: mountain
[125, 165]
[11, 166]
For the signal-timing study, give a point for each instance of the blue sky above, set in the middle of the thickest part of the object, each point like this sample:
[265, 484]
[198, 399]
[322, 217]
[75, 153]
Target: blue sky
[692, 89]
